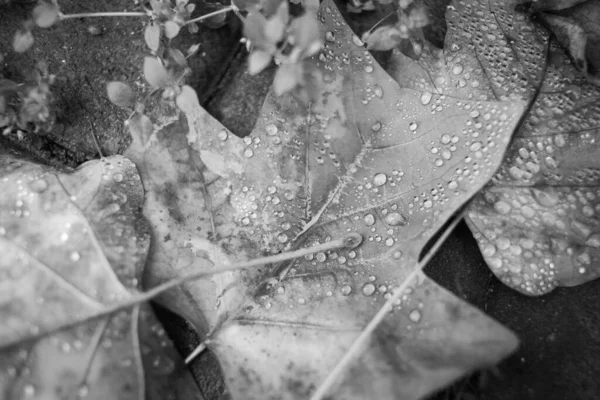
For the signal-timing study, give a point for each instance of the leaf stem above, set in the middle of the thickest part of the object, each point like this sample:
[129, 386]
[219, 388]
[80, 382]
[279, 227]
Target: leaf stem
[102, 14]
[212, 14]
[360, 342]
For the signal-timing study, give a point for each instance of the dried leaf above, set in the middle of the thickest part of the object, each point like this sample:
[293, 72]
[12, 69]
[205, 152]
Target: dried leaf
[383, 38]
[23, 40]
[359, 159]
[45, 14]
[155, 73]
[546, 5]
[120, 94]
[152, 36]
[578, 31]
[72, 245]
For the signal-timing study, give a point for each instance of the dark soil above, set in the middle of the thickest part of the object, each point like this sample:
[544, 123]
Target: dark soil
[560, 353]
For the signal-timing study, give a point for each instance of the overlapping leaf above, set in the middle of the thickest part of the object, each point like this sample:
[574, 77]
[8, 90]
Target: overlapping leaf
[368, 157]
[72, 245]
[538, 224]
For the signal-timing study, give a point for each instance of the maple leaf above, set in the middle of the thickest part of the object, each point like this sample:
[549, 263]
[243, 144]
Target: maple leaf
[73, 245]
[367, 156]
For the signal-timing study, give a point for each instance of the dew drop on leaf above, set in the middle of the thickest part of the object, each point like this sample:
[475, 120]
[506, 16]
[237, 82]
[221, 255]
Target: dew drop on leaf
[379, 179]
[222, 135]
[415, 315]
[368, 289]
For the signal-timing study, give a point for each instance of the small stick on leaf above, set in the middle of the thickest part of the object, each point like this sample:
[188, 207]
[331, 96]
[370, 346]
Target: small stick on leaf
[197, 351]
[349, 241]
[360, 342]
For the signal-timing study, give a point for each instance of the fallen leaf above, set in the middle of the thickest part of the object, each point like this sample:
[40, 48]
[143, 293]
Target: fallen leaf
[73, 245]
[537, 224]
[578, 30]
[366, 157]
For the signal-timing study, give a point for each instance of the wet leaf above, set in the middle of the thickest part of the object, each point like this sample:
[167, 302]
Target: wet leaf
[537, 223]
[73, 244]
[171, 29]
[257, 61]
[23, 40]
[383, 38]
[367, 156]
[45, 15]
[152, 36]
[578, 31]
[120, 94]
[155, 73]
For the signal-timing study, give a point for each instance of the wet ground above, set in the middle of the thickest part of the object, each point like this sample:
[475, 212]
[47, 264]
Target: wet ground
[560, 353]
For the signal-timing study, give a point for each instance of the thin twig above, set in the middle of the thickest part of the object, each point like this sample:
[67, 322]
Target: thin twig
[197, 351]
[348, 241]
[212, 14]
[362, 339]
[102, 14]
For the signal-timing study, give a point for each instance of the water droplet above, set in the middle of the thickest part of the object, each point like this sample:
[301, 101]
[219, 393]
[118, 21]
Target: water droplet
[321, 257]
[457, 69]
[502, 207]
[64, 236]
[222, 135]
[397, 254]
[476, 146]
[248, 153]
[378, 91]
[74, 256]
[271, 189]
[415, 315]
[301, 300]
[376, 127]
[368, 69]
[593, 240]
[395, 219]
[29, 390]
[118, 177]
[346, 290]
[329, 36]
[271, 129]
[83, 391]
[282, 238]
[368, 289]
[412, 126]
[39, 185]
[389, 242]
[503, 243]
[369, 219]
[426, 98]
[379, 179]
